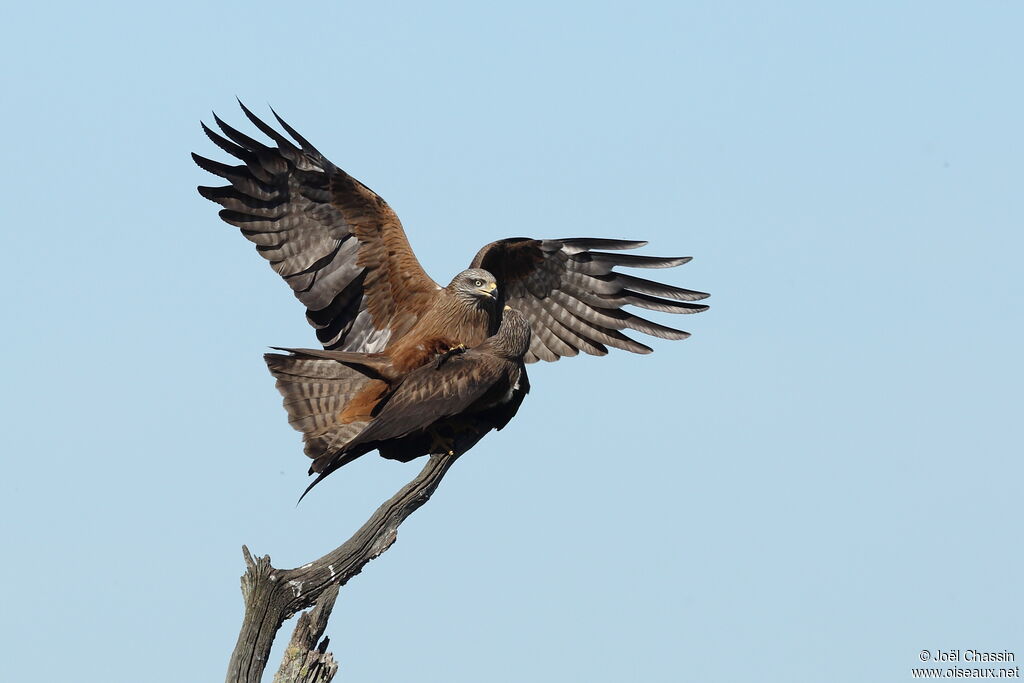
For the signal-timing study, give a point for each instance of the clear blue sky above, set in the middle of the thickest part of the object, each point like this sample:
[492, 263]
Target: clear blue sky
[820, 483]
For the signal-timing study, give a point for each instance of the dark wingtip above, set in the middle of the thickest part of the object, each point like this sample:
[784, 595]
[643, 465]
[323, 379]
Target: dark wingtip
[214, 167]
[673, 261]
[208, 192]
[245, 110]
[307, 147]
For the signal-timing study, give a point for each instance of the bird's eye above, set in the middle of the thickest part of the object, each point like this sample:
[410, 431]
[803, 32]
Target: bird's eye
[478, 283]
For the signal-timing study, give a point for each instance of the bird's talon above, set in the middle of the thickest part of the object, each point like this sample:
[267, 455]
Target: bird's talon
[442, 444]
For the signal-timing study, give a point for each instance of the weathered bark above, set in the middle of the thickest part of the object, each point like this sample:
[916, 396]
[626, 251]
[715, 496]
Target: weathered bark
[304, 660]
[273, 595]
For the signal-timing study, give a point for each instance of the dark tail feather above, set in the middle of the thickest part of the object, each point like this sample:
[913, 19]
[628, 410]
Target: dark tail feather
[339, 460]
[316, 393]
[374, 365]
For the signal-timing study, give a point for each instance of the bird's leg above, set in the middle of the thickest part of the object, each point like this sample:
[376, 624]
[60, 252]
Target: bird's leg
[440, 443]
[448, 353]
[462, 428]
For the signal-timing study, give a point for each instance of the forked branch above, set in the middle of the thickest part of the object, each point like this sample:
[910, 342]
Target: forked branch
[273, 595]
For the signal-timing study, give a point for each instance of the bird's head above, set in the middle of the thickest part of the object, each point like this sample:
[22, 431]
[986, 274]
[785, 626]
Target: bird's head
[476, 286]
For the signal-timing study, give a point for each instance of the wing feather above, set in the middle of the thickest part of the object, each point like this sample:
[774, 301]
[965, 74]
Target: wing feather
[643, 286]
[574, 297]
[429, 394]
[337, 244]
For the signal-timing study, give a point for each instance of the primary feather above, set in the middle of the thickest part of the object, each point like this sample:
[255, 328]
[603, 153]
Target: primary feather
[344, 253]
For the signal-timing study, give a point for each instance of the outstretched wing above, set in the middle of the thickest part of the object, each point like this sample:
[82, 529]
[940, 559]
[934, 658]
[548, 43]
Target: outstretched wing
[336, 243]
[574, 298]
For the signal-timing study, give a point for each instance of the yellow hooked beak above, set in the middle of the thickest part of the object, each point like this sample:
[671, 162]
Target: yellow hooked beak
[490, 289]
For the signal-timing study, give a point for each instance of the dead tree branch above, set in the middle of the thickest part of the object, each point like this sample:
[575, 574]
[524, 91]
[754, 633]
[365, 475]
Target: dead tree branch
[306, 661]
[273, 595]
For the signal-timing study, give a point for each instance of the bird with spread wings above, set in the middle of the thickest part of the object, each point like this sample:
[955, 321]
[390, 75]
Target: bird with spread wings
[343, 251]
[345, 255]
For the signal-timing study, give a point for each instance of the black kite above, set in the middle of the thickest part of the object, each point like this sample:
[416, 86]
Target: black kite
[446, 405]
[344, 253]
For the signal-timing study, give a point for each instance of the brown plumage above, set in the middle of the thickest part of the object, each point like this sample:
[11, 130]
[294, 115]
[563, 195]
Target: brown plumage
[346, 257]
[381, 318]
[446, 405]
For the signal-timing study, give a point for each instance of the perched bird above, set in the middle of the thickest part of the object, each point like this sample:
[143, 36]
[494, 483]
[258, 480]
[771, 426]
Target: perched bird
[343, 251]
[391, 335]
[444, 406]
